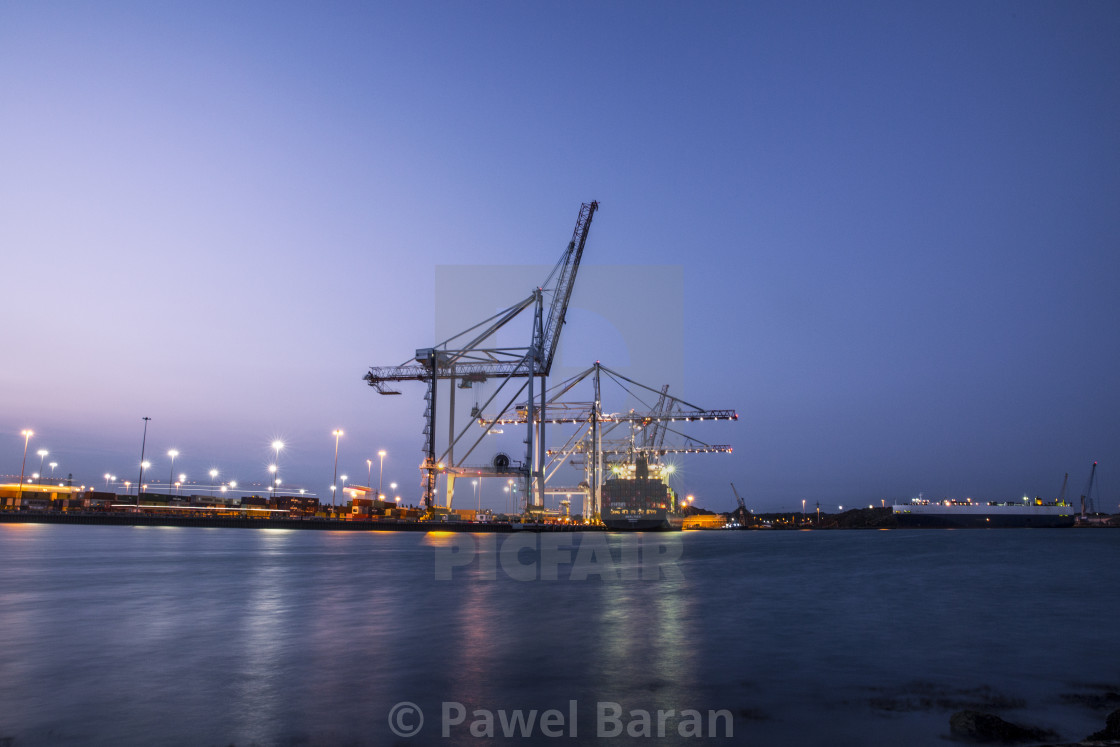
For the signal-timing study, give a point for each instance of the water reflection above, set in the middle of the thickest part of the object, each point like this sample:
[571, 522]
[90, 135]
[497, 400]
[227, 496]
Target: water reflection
[219, 636]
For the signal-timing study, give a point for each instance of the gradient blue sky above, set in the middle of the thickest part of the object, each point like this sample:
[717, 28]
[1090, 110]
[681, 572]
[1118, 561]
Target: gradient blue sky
[897, 226]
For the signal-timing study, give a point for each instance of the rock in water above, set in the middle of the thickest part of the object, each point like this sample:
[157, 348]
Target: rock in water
[1110, 731]
[987, 727]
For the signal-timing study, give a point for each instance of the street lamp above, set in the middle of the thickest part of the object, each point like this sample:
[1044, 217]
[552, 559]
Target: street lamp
[182, 479]
[344, 487]
[140, 484]
[277, 445]
[213, 476]
[106, 481]
[477, 495]
[381, 475]
[53, 465]
[128, 489]
[42, 455]
[171, 476]
[26, 437]
[143, 444]
[334, 480]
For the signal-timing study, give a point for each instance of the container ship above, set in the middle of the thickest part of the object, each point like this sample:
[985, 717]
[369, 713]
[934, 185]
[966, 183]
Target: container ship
[637, 498]
[966, 514]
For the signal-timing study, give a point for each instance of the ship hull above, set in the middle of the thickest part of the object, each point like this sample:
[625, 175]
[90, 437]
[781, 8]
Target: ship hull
[643, 524]
[935, 516]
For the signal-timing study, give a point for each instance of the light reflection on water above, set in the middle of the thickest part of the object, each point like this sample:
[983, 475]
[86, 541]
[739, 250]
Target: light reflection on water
[119, 635]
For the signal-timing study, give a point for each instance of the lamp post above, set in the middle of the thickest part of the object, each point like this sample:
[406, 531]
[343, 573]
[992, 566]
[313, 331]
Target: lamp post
[369, 475]
[143, 444]
[213, 476]
[42, 455]
[344, 478]
[141, 486]
[128, 489]
[171, 477]
[277, 445]
[478, 496]
[178, 485]
[106, 481]
[334, 480]
[392, 486]
[26, 437]
[53, 465]
[381, 475]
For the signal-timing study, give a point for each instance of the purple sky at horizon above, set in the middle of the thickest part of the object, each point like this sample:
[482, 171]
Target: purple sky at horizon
[896, 229]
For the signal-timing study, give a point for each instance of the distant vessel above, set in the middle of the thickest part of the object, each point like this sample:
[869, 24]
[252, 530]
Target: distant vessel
[637, 498]
[966, 514]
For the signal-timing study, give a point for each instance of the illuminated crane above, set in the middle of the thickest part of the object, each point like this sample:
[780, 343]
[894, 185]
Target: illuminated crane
[590, 440]
[464, 357]
[742, 512]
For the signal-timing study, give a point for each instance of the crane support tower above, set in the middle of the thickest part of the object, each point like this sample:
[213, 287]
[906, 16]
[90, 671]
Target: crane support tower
[466, 357]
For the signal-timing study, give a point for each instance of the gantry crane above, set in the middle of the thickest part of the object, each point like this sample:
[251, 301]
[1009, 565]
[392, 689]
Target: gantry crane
[590, 440]
[464, 357]
[742, 513]
[1087, 496]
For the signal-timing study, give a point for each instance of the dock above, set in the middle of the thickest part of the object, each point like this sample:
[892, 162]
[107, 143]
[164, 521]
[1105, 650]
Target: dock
[308, 522]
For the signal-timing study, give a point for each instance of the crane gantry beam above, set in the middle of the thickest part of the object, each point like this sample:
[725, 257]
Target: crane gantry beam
[618, 451]
[625, 417]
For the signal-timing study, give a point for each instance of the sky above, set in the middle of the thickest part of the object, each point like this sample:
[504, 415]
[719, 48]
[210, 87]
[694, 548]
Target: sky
[888, 232]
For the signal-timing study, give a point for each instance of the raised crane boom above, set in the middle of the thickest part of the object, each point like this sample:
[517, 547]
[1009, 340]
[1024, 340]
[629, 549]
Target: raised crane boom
[743, 515]
[567, 267]
[464, 357]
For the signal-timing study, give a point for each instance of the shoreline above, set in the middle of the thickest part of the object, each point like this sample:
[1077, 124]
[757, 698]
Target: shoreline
[305, 523]
[320, 523]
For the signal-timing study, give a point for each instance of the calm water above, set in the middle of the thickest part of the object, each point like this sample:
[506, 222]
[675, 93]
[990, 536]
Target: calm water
[122, 635]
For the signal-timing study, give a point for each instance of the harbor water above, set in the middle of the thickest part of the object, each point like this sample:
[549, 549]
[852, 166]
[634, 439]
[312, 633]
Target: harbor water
[191, 636]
